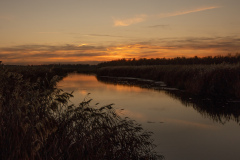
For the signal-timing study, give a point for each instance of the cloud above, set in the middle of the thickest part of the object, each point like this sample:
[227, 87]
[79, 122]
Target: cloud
[41, 54]
[66, 47]
[159, 26]
[173, 47]
[130, 21]
[186, 12]
[103, 35]
[226, 44]
[48, 32]
[144, 17]
[156, 48]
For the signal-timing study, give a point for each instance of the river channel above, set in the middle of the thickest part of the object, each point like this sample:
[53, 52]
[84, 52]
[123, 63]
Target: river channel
[183, 128]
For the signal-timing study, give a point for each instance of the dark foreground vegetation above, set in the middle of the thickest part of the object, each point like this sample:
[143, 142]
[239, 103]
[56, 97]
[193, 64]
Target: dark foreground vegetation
[213, 80]
[37, 122]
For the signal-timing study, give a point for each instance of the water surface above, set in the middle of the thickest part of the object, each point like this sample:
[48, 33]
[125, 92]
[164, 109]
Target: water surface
[182, 131]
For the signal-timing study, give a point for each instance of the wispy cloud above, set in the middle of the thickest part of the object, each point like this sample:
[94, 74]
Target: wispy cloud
[159, 26]
[102, 35]
[157, 48]
[130, 21]
[144, 17]
[164, 15]
[193, 46]
[48, 32]
[41, 54]
[218, 44]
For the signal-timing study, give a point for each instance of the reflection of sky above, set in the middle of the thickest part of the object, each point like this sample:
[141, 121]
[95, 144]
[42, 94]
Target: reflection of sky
[180, 132]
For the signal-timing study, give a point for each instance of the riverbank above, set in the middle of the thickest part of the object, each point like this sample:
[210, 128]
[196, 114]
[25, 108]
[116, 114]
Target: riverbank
[214, 81]
[219, 111]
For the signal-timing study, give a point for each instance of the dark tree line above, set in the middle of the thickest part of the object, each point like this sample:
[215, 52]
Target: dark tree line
[174, 61]
[60, 69]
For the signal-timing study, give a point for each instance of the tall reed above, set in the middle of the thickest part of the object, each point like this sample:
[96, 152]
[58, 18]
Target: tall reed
[216, 81]
[37, 122]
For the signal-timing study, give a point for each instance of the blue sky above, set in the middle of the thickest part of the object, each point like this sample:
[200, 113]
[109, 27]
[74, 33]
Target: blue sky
[88, 31]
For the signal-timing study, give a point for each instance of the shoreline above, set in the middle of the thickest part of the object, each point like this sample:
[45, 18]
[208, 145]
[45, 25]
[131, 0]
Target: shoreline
[214, 81]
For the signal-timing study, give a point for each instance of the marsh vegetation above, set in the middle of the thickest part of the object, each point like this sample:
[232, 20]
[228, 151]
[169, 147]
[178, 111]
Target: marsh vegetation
[213, 81]
[37, 122]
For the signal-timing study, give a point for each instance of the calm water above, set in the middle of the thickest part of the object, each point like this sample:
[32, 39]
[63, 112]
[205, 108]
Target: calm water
[182, 131]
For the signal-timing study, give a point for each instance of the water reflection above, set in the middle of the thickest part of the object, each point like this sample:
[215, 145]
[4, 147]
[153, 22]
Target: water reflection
[180, 132]
[217, 110]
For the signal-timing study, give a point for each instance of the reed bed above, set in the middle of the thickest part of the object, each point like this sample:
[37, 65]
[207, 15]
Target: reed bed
[37, 122]
[215, 81]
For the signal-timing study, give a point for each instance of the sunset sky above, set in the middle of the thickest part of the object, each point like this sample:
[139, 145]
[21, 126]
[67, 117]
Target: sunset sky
[91, 31]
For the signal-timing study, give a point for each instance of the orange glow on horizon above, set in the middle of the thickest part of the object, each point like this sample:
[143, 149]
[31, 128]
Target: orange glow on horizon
[152, 51]
[85, 53]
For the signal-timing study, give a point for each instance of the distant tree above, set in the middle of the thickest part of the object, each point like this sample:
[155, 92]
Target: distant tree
[174, 61]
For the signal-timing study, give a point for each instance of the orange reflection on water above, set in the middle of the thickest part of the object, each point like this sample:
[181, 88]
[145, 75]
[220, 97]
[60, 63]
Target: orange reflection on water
[76, 81]
[122, 88]
[191, 124]
[77, 78]
[133, 115]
